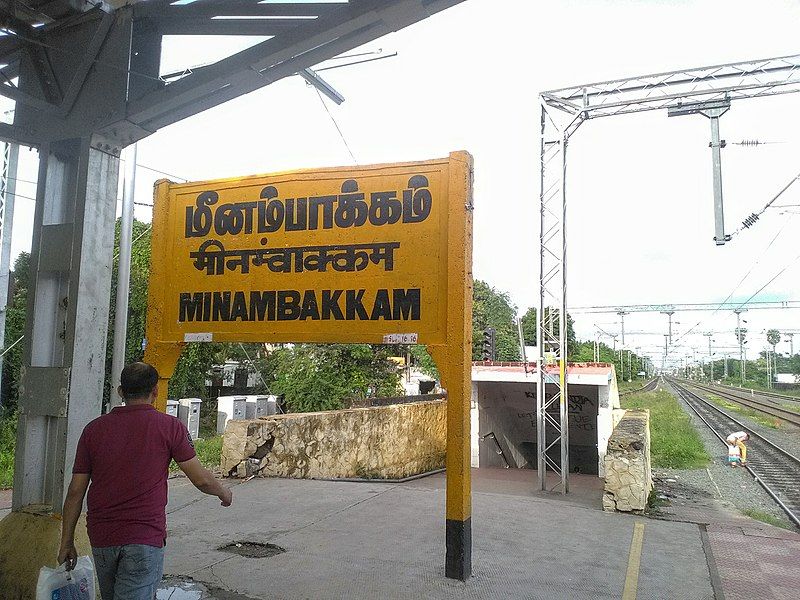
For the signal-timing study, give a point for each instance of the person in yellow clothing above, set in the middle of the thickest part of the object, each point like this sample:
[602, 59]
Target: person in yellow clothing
[737, 440]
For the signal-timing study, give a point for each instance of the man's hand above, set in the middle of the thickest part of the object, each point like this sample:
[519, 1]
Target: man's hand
[204, 480]
[69, 518]
[68, 554]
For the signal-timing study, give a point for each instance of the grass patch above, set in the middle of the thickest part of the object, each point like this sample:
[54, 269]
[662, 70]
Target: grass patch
[789, 405]
[749, 384]
[674, 442]
[628, 386]
[8, 440]
[760, 418]
[209, 451]
[759, 515]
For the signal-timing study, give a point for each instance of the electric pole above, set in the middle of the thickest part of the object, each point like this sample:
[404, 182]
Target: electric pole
[630, 370]
[710, 356]
[740, 337]
[791, 343]
[622, 314]
[769, 369]
[669, 314]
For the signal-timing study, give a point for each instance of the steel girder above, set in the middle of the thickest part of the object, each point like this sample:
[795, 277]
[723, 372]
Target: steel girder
[732, 81]
[70, 96]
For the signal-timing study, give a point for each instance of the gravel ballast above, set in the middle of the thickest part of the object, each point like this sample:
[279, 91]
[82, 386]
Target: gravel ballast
[719, 483]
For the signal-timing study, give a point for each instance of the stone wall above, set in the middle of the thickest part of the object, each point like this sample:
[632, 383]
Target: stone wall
[387, 442]
[627, 464]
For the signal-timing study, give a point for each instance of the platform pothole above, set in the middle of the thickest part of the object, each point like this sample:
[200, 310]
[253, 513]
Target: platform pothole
[252, 549]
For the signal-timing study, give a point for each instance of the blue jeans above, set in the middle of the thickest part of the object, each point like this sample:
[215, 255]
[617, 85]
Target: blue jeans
[130, 572]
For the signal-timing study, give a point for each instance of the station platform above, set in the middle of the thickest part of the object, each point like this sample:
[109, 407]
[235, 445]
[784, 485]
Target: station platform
[377, 540]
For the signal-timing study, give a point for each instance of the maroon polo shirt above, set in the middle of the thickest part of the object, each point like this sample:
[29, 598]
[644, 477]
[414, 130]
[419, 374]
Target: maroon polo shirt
[126, 454]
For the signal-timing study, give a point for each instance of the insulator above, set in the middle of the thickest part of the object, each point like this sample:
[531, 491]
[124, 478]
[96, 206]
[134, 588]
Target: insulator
[750, 221]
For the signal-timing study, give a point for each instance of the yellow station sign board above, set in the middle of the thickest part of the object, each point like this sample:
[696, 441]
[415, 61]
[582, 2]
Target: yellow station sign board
[332, 255]
[372, 254]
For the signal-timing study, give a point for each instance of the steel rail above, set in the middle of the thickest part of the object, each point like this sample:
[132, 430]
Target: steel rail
[770, 409]
[649, 386]
[765, 393]
[772, 479]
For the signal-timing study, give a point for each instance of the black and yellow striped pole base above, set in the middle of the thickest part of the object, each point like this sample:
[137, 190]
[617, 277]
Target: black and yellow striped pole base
[458, 559]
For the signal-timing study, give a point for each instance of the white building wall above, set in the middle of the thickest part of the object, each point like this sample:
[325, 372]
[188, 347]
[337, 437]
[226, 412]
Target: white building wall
[474, 429]
[508, 408]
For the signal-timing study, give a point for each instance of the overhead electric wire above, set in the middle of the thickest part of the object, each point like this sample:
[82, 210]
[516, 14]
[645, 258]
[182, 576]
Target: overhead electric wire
[778, 274]
[736, 287]
[750, 220]
[335, 124]
[137, 238]
[140, 165]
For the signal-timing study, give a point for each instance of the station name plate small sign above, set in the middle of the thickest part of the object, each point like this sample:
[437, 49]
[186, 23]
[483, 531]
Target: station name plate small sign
[400, 338]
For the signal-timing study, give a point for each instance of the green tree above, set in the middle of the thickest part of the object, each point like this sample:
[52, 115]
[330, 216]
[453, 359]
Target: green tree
[15, 329]
[493, 308]
[423, 361]
[316, 377]
[529, 329]
[137, 298]
[773, 338]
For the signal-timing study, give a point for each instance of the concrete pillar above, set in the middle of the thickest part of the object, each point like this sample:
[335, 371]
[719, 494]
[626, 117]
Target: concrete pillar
[63, 367]
[65, 347]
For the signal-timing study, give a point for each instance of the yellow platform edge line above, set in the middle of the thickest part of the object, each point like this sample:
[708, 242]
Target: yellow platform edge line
[634, 559]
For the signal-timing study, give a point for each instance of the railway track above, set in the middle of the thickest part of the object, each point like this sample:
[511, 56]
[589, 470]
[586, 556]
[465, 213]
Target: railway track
[767, 408]
[751, 392]
[775, 469]
[648, 387]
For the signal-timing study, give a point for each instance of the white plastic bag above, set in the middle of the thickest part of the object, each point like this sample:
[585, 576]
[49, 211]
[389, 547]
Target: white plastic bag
[60, 584]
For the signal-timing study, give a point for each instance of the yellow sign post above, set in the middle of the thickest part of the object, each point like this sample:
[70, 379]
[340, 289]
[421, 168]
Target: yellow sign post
[377, 254]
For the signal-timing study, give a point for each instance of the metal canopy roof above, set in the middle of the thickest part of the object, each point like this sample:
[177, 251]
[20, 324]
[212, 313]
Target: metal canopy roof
[75, 50]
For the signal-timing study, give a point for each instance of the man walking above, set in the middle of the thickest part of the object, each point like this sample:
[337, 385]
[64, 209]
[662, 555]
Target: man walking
[125, 455]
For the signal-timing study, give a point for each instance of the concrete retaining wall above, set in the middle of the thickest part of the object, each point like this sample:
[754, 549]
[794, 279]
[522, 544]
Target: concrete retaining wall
[627, 464]
[387, 442]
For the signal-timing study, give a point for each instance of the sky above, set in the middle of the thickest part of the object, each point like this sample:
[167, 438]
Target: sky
[640, 216]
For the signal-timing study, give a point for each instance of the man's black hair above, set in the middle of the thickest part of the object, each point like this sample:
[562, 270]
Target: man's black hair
[138, 380]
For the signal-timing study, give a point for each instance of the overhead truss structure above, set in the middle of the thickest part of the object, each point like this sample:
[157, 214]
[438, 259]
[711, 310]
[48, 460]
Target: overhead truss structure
[703, 90]
[45, 35]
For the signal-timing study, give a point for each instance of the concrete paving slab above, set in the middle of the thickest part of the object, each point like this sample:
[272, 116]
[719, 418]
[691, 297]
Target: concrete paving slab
[5, 502]
[372, 540]
[756, 561]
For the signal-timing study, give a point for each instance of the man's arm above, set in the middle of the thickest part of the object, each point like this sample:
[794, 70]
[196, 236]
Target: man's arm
[73, 504]
[205, 481]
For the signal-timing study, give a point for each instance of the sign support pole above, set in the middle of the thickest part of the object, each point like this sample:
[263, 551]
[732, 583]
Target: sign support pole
[455, 365]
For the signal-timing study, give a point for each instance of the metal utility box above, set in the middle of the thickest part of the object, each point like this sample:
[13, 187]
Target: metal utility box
[189, 414]
[230, 407]
[261, 406]
[172, 408]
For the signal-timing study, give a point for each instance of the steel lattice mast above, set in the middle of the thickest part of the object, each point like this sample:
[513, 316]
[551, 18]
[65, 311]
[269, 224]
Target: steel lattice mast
[700, 90]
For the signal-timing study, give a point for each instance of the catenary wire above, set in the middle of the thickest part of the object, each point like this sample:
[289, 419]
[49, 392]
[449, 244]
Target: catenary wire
[736, 287]
[335, 124]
